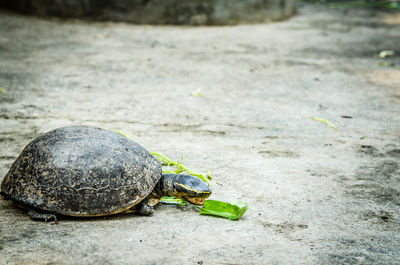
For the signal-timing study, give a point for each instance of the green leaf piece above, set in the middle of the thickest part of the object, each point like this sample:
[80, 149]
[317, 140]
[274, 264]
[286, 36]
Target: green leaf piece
[386, 53]
[223, 209]
[179, 168]
[121, 133]
[173, 201]
[326, 122]
[197, 93]
[384, 64]
[209, 175]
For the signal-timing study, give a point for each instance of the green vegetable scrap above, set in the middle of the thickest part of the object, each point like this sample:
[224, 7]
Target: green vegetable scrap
[384, 64]
[179, 168]
[384, 54]
[2, 92]
[173, 201]
[326, 122]
[197, 93]
[223, 209]
[121, 133]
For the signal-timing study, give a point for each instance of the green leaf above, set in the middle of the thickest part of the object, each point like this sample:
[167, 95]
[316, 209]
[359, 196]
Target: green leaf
[384, 64]
[174, 201]
[386, 53]
[223, 209]
[197, 93]
[121, 133]
[179, 168]
[209, 174]
[326, 122]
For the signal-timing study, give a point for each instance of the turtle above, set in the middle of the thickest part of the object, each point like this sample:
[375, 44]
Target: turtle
[86, 171]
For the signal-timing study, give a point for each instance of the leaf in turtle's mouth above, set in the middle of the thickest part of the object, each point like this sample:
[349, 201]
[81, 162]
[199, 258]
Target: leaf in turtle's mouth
[194, 200]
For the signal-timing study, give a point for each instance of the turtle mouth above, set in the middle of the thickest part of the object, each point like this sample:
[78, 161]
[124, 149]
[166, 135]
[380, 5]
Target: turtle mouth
[196, 200]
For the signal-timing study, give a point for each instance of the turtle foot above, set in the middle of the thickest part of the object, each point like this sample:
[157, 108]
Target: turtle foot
[44, 217]
[144, 209]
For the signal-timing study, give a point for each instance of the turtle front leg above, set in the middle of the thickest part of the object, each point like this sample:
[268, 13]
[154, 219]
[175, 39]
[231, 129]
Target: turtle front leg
[45, 217]
[145, 207]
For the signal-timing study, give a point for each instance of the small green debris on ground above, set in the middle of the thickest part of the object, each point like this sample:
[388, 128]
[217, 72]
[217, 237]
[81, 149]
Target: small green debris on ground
[384, 64]
[386, 53]
[197, 93]
[231, 211]
[2, 92]
[326, 122]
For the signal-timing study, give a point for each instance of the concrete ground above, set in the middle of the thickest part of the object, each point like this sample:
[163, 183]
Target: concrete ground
[315, 195]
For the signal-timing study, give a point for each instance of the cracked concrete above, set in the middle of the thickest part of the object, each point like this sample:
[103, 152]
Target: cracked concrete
[315, 195]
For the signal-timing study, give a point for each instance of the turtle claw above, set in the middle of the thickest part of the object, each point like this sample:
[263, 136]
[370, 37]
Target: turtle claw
[44, 217]
[144, 208]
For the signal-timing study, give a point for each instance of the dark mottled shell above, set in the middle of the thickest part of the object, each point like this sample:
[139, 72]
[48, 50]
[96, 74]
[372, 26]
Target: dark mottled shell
[82, 171]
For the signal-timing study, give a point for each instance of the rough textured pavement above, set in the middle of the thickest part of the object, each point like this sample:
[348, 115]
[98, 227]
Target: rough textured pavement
[315, 195]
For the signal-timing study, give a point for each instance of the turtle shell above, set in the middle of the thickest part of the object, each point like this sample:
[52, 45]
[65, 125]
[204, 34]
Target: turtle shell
[82, 171]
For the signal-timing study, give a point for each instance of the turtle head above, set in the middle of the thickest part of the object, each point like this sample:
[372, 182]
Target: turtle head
[192, 189]
[186, 187]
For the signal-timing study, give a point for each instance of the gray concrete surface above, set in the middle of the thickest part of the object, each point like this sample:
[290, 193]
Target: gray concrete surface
[315, 195]
[176, 12]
